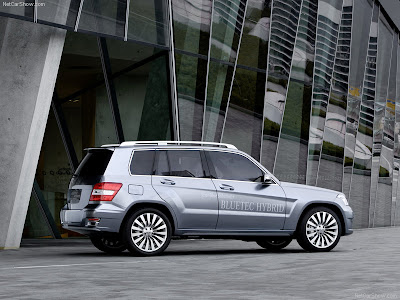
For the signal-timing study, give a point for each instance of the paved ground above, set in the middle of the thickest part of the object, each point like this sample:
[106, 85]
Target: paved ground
[365, 265]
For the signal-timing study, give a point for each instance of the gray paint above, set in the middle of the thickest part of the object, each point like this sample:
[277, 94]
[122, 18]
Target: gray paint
[199, 206]
[29, 59]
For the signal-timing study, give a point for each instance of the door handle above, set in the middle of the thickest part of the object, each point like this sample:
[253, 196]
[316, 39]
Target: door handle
[226, 187]
[168, 181]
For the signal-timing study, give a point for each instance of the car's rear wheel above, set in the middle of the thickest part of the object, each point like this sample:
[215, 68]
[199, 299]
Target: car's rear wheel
[147, 232]
[108, 244]
[319, 230]
[274, 244]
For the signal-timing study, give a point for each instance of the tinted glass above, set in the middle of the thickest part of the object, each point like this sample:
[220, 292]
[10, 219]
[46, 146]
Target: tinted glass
[18, 8]
[232, 166]
[148, 21]
[359, 46]
[104, 16]
[329, 15]
[59, 11]
[191, 77]
[284, 24]
[330, 171]
[162, 168]
[385, 43]
[94, 163]
[291, 158]
[142, 163]
[182, 163]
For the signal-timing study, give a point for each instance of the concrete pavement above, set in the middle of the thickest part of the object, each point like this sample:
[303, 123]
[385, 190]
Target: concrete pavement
[364, 265]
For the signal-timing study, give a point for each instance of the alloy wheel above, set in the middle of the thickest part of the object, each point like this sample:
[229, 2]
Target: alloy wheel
[322, 229]
[149, 232]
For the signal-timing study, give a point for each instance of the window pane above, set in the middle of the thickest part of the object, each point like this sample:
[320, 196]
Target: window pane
[357, 182]
[254, 43]
[192, 25]
[162, 168]
[185, 163]
[383, 210]
[59, 11]
[104, 16]
[80, 88]
[142, 163]
[385, 42]
[244, 118]
[191, 77]
[227, 24]
[219, 82]
[232, 166]
[330, 171]
[18, 8]
[228, 19]
[141, 80]
[285, 16]
[329, 14]
[35, 222]
[148, 21]
[291, 159]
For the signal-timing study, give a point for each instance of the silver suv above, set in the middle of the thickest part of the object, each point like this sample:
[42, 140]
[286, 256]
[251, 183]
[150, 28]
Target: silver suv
[137, 195]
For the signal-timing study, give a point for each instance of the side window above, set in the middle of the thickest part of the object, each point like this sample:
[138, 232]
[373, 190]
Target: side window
[142, 162]
[181, 163]
[162, 168]
[233, 166]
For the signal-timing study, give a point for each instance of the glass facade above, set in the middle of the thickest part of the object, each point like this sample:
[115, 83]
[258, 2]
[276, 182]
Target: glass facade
[310, 88]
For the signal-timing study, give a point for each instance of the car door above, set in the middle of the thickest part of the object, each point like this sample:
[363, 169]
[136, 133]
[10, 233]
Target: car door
[181, 180]
[245, 202]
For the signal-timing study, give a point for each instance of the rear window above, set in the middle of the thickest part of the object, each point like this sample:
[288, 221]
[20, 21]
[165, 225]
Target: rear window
[92, 167]
[142, 162]
[94, 163]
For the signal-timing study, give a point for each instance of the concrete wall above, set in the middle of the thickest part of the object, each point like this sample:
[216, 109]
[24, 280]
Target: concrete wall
[29, 59]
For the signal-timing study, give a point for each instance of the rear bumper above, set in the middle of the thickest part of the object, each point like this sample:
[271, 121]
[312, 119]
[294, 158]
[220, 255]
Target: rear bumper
[77, 220]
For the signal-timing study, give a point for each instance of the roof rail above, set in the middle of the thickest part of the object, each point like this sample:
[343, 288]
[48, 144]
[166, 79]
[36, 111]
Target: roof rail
[175, 143]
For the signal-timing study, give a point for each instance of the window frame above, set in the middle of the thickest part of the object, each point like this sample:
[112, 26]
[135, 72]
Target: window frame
[204, 163]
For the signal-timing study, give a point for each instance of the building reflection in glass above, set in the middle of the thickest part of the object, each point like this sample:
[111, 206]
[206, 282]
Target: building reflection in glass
[284, 24]
[329, 14]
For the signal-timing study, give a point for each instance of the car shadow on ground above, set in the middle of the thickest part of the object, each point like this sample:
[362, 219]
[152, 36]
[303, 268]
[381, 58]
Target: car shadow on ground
[176, 252]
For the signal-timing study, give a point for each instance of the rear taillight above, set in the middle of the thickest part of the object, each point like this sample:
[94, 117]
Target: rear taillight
[105, 191]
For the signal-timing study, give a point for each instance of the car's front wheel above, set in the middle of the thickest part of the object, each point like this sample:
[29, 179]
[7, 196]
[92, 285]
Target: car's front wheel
[108, 244]
[274, 244]
[147, 232]
[319, 230]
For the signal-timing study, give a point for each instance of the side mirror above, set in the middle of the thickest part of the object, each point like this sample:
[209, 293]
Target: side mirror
[267, 179]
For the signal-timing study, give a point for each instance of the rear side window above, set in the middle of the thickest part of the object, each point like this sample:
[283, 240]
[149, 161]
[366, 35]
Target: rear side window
[181, 163]
[142, 162]
[233, 166]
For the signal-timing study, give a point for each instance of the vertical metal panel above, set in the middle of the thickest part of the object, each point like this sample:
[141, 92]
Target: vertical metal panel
[111, 94]
[174, 93]
[234, 71]
[64, 131]
[78, 17]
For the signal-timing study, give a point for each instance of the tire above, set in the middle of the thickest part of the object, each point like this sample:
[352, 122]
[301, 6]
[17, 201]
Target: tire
[274, 244]
[147, 232]
[319, 230]
[109, 244]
